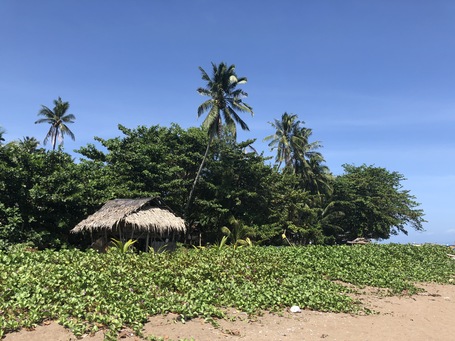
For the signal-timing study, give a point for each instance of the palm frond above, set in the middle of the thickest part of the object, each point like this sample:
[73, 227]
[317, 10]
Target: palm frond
[204, 92]
[243, 107]
[46, 112]
[43, 120]
[229, 122]
[206, 106]
[211, 121]
[64, 130]
[239, 93]
[205, 76]
[68, 118]
[237, 119]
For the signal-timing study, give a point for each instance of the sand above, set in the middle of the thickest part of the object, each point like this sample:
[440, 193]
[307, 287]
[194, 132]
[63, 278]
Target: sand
[426, 316]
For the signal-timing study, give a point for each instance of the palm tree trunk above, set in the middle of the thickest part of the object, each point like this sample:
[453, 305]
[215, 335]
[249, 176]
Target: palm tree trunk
[54, 140]
[198, 174]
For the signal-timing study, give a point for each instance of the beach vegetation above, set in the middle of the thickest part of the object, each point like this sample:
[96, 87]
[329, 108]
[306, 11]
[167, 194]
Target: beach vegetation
[88, 291]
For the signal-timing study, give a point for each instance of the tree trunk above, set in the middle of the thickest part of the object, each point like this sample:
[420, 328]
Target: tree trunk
[54, 141]
[198, 174]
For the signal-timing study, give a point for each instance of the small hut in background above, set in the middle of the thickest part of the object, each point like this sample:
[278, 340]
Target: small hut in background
[359, 241]
[146, 220]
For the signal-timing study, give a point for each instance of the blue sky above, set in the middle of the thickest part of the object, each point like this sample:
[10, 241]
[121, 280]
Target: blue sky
[375, 80]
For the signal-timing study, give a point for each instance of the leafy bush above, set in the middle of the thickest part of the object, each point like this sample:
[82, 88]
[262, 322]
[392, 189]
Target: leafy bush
[10, 223]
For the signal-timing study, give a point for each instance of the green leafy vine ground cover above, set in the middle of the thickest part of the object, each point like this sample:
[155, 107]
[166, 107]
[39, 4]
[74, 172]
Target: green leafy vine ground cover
[86, 291]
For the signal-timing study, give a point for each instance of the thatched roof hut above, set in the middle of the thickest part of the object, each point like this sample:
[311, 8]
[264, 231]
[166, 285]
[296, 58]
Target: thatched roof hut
[132, 219]
[359, 241]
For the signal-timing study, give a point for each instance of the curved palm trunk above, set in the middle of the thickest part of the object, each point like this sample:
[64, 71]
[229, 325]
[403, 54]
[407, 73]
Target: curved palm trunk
[198, 174]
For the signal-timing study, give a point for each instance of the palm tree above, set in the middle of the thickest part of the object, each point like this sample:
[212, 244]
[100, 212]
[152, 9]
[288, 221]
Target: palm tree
[30, 144]
[224, 103]
[304, 150]
[308, 163]
[283, 139]
[58, 119]
[290, 140]
[318, 178]
[2, 132]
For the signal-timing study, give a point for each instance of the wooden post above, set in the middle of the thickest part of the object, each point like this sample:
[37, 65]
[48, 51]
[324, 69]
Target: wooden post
[147, 242]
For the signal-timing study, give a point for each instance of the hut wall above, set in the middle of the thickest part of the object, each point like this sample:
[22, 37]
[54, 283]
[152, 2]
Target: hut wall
[163, 246]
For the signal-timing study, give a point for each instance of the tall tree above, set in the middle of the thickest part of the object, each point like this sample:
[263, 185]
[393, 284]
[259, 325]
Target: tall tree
[224, 103]
[285, 138]
[374, 203]
[319, 179]
[300, 156]
[309, 165]
[58, 119]
[304, 151]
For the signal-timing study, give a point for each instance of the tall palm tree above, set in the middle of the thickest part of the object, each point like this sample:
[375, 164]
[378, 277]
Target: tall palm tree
[304, 150]
[308, 163]
[58, 119]
[225, 100]
[290, 140]
[318, 179]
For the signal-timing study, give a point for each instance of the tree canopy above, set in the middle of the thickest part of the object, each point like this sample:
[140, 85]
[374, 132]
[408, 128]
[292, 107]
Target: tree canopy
[374, 203]
[43, 194]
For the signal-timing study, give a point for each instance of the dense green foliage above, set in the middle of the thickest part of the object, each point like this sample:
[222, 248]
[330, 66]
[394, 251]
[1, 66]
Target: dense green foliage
[150, 161]
[374, 203]
[86, 291]
[44, 194]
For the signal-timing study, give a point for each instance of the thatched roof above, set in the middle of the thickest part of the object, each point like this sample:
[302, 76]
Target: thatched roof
[359, 241]
[145, 214]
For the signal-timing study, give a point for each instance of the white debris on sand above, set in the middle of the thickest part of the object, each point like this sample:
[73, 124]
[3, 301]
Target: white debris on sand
[295, 309]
